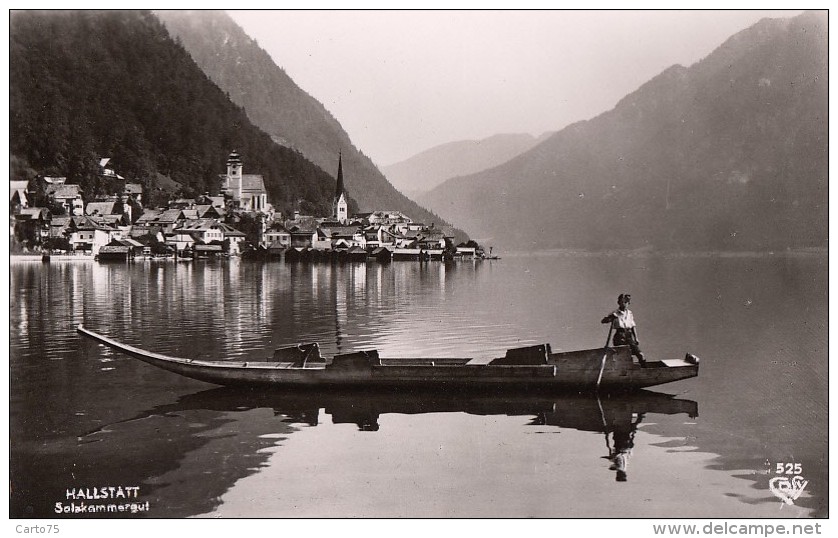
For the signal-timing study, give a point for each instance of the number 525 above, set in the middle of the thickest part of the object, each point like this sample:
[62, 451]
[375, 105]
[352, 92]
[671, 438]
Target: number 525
[789, 468]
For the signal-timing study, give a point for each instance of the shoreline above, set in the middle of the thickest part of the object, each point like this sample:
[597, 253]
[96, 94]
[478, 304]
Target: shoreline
[53, 257]
[646, 253]
[803, 252]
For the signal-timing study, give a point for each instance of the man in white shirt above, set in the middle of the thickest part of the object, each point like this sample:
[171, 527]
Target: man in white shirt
[625, 330]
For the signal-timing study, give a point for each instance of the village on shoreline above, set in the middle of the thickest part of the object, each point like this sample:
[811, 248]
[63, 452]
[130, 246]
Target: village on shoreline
[51, 219]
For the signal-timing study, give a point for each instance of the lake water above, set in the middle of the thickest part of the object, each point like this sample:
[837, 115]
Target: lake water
[84, 418]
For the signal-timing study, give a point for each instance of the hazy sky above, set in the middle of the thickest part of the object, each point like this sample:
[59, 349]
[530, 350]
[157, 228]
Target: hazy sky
[401, 82]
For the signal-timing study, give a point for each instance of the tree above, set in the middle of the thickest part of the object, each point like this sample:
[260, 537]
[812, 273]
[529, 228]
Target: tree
[160, 248]
[249, 225]
[58, 243]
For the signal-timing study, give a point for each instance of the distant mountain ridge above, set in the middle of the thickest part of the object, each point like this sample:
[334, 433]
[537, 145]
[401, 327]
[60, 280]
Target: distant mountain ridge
[430, 168]
[274, 102]
[728, 154]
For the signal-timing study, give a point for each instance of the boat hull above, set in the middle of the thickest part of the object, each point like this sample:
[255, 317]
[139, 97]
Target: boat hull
[575, 370]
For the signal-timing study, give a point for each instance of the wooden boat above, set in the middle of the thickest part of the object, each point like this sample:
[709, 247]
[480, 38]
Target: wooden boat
[529, 367]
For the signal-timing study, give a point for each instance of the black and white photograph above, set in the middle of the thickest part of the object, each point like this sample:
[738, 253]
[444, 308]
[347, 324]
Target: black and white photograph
[404, 264]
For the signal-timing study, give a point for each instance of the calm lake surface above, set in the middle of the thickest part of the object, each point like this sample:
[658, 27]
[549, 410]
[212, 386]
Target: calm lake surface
[84, 418]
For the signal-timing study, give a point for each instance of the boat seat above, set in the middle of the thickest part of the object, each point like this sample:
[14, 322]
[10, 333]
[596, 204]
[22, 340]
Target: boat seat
[358, 360]
[300, 355]
[525, 356]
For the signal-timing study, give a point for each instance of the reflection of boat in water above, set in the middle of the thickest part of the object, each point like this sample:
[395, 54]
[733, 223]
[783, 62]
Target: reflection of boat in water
[530, 367]
[583, 412]
[186, 454]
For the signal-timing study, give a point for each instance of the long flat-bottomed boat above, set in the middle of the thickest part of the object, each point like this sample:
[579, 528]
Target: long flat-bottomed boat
[610, 368]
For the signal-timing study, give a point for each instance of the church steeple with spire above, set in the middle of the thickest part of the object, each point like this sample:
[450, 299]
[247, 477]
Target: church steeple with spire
[340, 208]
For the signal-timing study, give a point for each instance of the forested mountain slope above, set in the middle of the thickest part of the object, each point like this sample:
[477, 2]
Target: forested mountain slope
[91, 84]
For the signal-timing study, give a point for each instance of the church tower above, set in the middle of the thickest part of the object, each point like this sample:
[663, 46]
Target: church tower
[340, 209]
[234, 175]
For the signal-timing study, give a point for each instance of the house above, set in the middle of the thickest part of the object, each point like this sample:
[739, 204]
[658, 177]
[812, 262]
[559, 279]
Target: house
[388, 218]
[192, 233]
[169, 219]
[234, 238]
[208, 211]
[69, 196]
[17, 196]
[321, 240]
[355, 254]
[362, 218]
[206, 251]
[136, 247]
[377, 236]
[107, 172]
[100, 208]
[215, 201]
[302, 237]
[146, 234]
[33, 224]
[148, 218]
[115, 252]
[164, 220]
[91, 237]
[382, 254]
[109, 220]
[59, 226]
[277, 235]
[205, 230]
[182, 241]
[247, 191]
[111, 212]
[55, 180]
[345, 236]
[63, 226]
[405, 227]
[407, 239]
[466, 252]
[134, 191]
[302, 221]
[431, 239]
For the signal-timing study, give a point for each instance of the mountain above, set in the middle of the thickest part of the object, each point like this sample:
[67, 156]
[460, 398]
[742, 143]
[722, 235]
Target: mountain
[274, 102]
[428, 169]
[91, 84]
[730, 153]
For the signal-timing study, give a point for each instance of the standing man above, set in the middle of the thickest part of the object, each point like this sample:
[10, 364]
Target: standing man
[625, 331]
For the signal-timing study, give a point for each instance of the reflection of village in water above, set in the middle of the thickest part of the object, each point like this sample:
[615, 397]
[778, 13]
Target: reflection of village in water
[218, 436]
[325, 301]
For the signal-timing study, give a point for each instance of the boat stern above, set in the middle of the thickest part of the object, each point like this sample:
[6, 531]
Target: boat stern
[666, 371]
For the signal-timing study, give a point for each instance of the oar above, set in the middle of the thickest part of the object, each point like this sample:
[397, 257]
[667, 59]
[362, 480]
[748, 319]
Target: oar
[604, 356]
[604, 426]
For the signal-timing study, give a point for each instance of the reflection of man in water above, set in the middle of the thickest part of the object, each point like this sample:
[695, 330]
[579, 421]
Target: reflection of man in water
[623, 435]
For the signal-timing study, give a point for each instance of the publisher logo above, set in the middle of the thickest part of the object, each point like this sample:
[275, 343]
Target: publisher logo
[789, 484]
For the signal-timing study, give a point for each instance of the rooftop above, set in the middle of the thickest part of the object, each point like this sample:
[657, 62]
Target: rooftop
[64, 191]
[100, 208]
